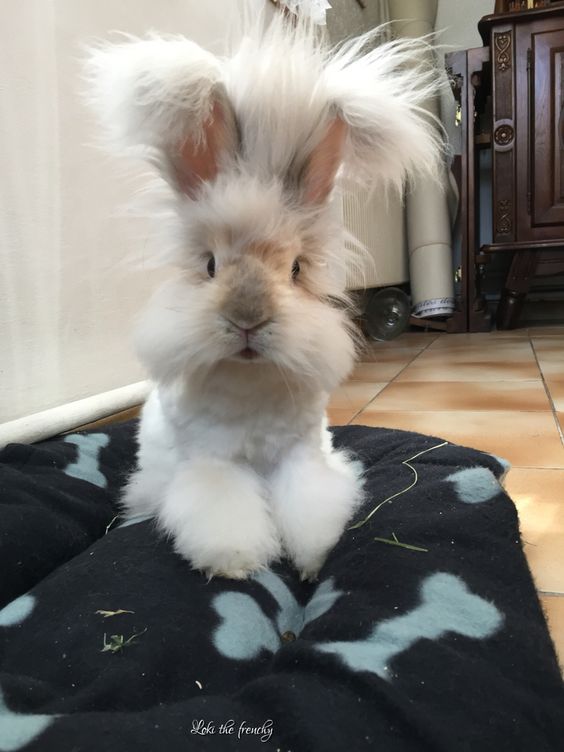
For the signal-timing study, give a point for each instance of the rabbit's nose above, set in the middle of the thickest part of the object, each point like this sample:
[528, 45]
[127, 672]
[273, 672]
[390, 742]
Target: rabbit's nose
[247, 329]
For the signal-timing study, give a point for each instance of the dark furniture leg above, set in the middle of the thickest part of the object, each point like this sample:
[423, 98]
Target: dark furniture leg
[517, 286]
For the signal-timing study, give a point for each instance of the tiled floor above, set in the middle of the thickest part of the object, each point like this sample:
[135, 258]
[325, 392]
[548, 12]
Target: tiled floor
[502, 392]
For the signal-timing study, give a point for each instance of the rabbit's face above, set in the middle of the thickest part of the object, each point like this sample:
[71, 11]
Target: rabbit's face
[257, 279]
[252, 145]
[246, 281]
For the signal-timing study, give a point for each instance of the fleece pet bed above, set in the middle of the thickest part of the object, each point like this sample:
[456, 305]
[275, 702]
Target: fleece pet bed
[109, 641]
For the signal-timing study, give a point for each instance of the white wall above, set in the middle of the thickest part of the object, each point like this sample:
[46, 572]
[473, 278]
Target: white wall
[460, 19]
[67, 293]
[67, 298]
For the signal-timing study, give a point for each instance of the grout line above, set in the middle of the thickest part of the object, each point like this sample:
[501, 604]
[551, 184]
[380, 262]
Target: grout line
[392, 379]
[548, 394]
[551, 593]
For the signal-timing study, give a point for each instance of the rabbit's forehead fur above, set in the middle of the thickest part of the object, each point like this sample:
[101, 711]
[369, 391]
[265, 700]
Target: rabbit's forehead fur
[238, 210]
[240, 217]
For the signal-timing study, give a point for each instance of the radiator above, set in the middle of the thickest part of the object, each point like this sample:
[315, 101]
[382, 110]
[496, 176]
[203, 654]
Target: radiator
[378, 223]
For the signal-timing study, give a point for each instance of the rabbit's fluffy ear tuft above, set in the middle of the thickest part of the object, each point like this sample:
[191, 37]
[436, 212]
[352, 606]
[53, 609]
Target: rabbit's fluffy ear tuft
[383, 96]
[163, 98]
[303, 111]
[318, 175]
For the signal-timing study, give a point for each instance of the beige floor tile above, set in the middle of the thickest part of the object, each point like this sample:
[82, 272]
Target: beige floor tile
[553, 606]
[526, 439]
[549, 344]
[389, 355]
[354, 395]
[539, 498]
[546, 331]
[560, 417]
[550, 356]
[556, 389]
[408, 339]
[378, 372]
[552, 370]
[531, 484]
[552, 367]
[458, 340]
[339, 416]
[427, 369]
[519, 351]
[465, 395]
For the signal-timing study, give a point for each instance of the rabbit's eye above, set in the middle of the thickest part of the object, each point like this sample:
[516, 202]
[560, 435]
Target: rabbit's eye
[295, 269]
[211, 266]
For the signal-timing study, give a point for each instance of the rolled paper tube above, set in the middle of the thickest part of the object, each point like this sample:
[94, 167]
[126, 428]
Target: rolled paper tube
[428, 222]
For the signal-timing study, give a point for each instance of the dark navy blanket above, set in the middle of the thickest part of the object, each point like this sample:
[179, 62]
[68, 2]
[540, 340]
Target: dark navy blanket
[424, 631]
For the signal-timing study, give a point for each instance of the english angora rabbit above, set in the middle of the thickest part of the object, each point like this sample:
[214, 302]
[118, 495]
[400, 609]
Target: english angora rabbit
[247, 340]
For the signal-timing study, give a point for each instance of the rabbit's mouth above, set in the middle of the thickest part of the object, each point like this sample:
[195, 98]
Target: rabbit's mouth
[248, 353]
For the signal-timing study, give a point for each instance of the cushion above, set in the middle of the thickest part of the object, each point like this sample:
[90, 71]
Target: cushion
[423, 632]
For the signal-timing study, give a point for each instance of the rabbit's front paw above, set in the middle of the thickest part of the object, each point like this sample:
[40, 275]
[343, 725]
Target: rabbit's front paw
[218, 519]
[233, 566]
[312, 502]
[236, 560]
[309, 570]
[230, 552]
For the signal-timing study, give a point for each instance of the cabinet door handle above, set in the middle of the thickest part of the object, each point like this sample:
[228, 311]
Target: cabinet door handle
[561, 127]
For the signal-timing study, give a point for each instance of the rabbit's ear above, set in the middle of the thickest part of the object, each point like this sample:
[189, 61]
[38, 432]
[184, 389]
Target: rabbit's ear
[198, 160]
[385, 98]
[163, 98]
[318, 175]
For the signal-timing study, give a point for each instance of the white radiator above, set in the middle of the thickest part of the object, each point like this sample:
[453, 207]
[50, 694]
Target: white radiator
[378, 223]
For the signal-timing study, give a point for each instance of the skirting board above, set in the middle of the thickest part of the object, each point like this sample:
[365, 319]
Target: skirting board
[72, 415]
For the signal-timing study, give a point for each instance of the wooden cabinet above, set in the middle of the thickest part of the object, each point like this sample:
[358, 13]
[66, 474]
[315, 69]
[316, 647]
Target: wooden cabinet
[527, 138]
[528, 92]
[522, 70]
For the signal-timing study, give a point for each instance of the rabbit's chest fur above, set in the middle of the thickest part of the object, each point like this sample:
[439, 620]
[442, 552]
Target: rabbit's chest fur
[248, 414]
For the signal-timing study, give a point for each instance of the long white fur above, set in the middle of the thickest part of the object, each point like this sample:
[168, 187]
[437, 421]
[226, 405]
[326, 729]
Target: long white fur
[151, 92]
[235, 459]
[284, 88]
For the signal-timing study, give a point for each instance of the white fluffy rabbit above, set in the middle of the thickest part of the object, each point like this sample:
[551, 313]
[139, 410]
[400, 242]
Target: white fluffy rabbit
[247, 341]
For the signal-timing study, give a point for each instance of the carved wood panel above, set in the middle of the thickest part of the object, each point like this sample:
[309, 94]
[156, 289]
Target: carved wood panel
[547, 102]
[503, 134]
[504, 217]
[503, 52]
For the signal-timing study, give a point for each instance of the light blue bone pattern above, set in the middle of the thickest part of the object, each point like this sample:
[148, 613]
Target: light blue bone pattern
[446, 606]
[16, 611]
[19, 729]
[475, 485]
[87, 465]
[246, 630]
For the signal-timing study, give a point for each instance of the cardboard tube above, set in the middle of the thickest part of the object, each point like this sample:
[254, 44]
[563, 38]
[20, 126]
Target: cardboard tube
[428, 221]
